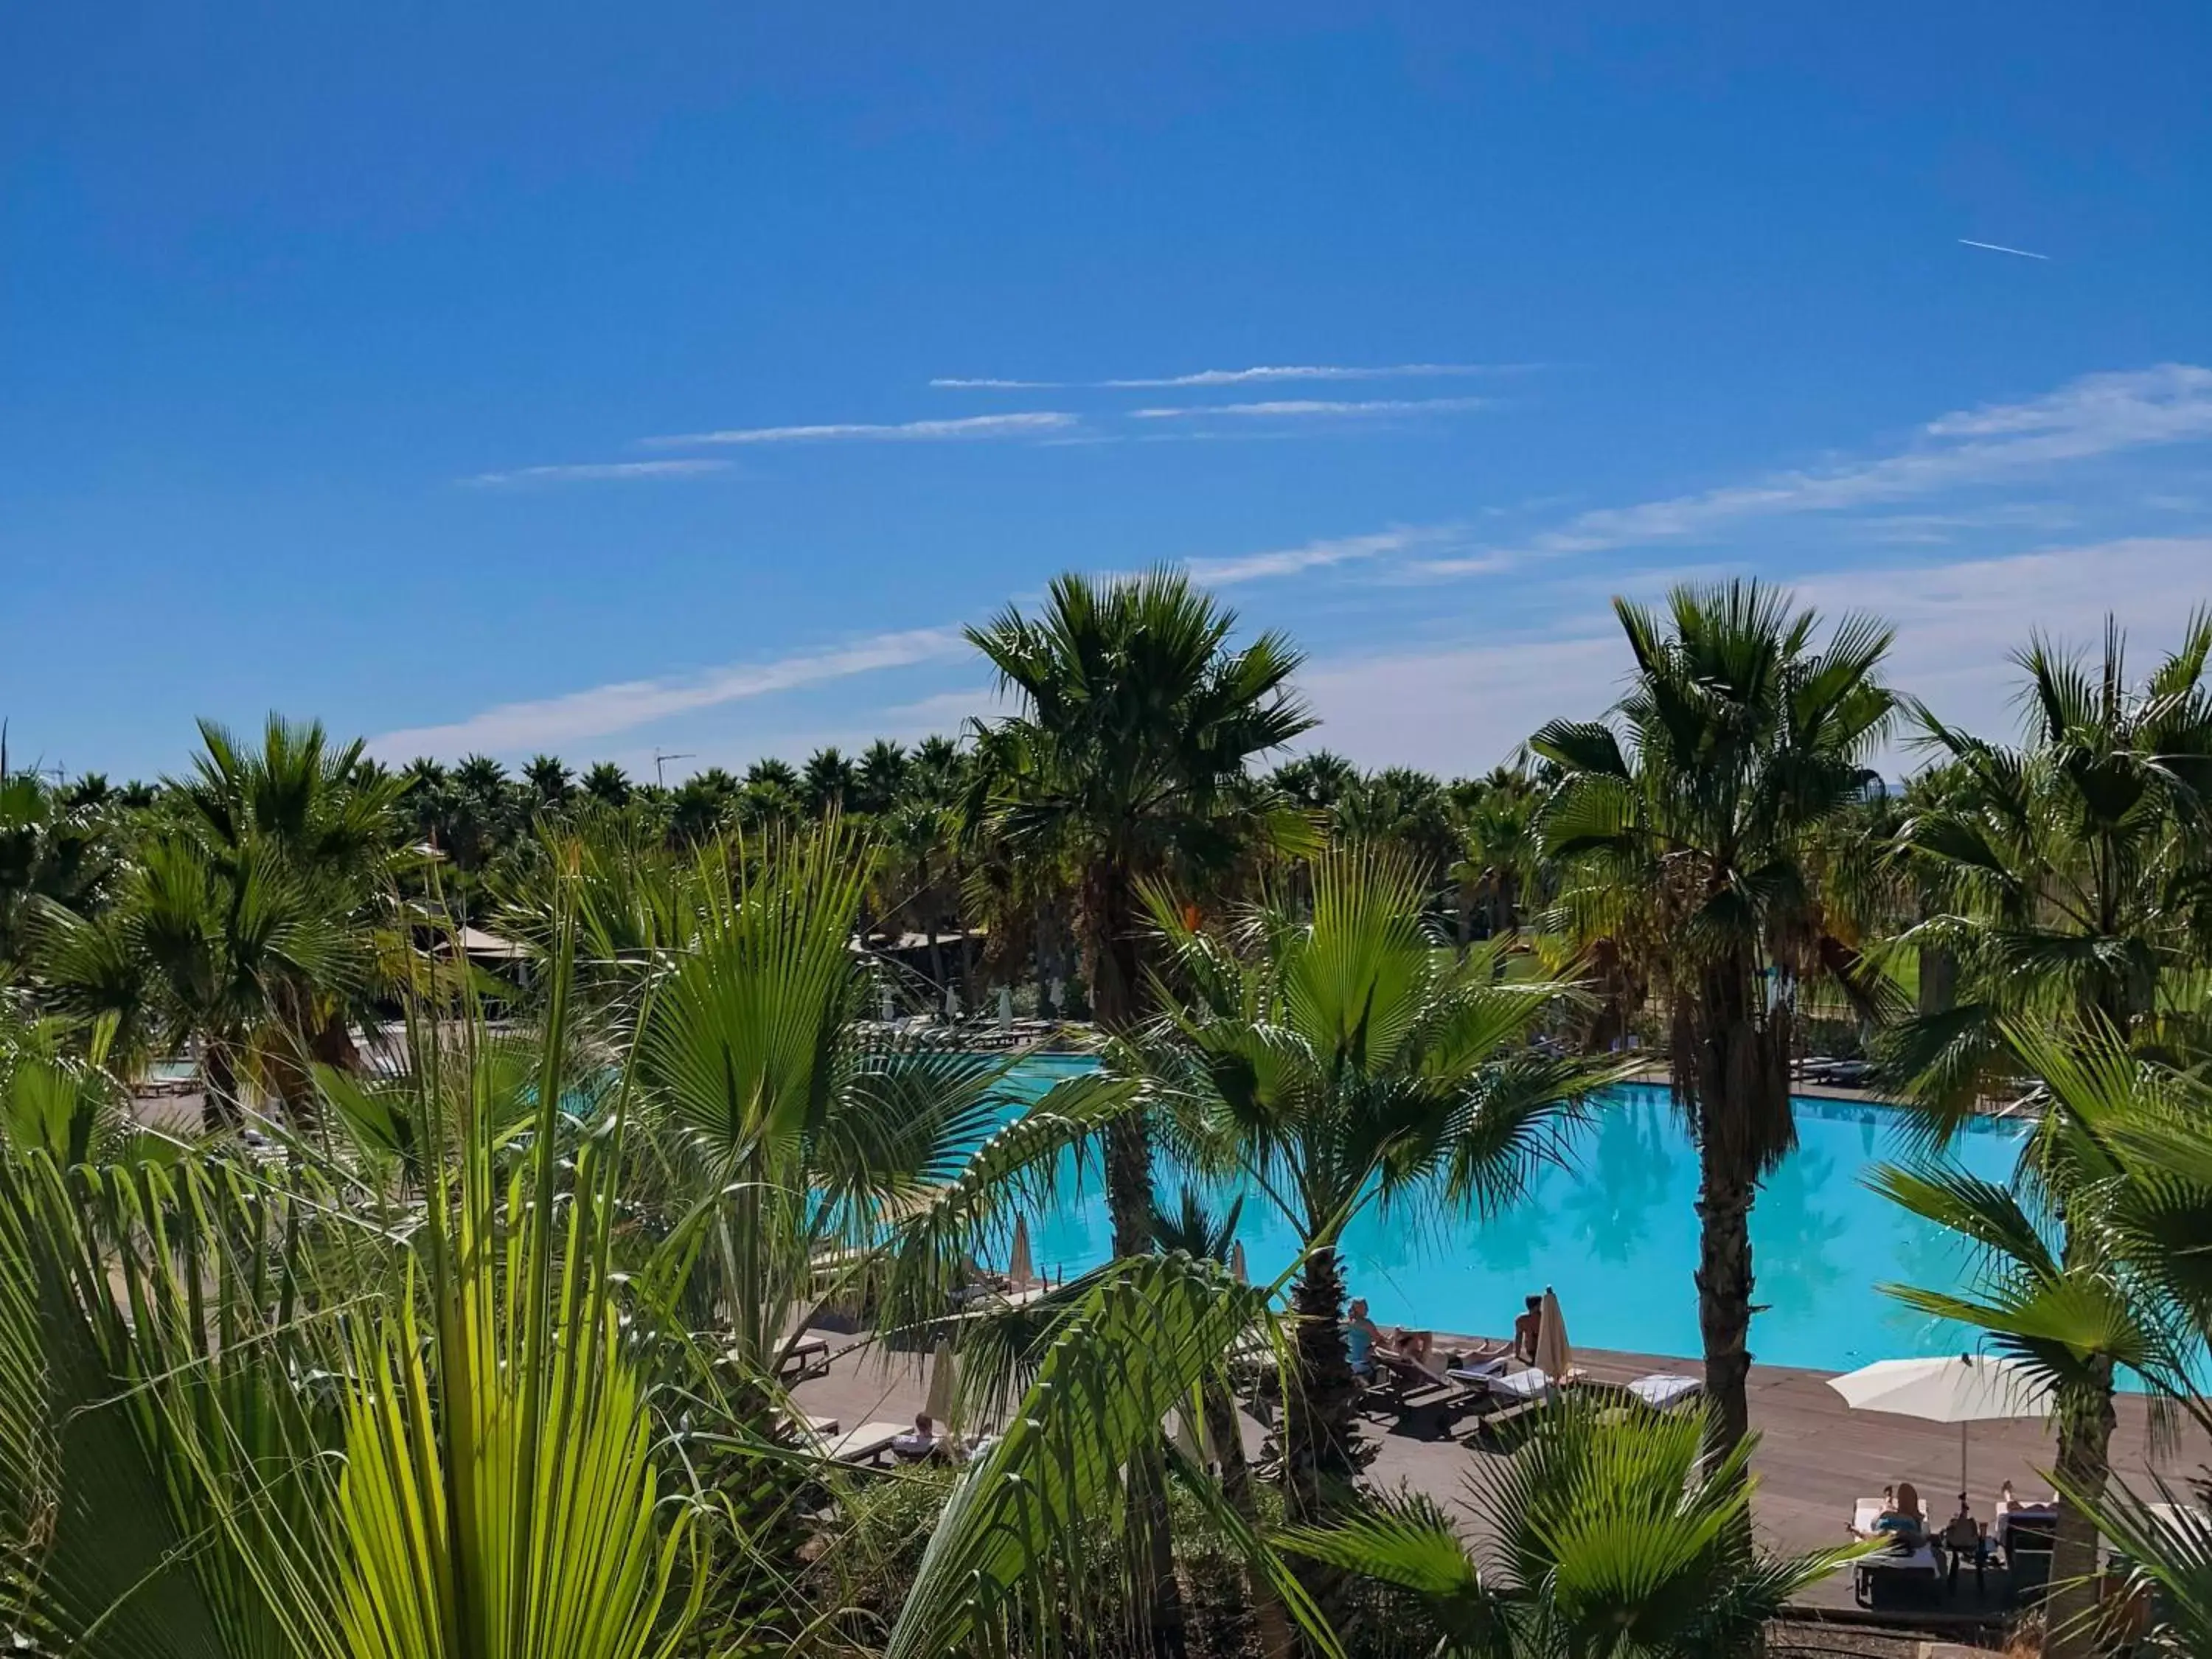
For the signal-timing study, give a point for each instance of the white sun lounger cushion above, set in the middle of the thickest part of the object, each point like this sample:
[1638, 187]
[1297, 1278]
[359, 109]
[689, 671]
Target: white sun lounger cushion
[1530, 1384]
[1488, 1371]
[1661, 1389]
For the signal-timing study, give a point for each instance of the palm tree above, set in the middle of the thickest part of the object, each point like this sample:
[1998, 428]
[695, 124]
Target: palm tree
[608, 784]
[2074, 872]
[331, 822]
[54, 849]
[828, 779]
[1498, 853]
[1408, 810]
[549, 780]
[1135, 719]
[779, 1135]
[234, 956]
[2089, 1262]
[1684, 833]
[702, 806]
[1315, 782]
[1615, 1537]
[249, 925]
[1345, 1059]
[881, 777]
[2068, 885]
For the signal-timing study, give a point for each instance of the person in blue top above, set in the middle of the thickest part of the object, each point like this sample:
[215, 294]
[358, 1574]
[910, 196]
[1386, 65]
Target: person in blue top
[1360, 1336]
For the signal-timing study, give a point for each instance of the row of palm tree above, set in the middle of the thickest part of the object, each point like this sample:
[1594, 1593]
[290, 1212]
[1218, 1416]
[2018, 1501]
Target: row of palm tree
[1284, 969]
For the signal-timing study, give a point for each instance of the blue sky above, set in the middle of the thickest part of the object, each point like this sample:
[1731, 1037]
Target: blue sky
[568, 378]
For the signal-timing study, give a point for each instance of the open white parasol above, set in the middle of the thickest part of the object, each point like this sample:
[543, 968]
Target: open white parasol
[1962, 1388]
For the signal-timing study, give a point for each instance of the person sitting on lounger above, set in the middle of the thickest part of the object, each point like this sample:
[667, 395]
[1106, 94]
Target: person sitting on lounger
[1527, 1329]
[1416, 1345]
[1901, 1516]
[1360, 1336]
[921, 1444]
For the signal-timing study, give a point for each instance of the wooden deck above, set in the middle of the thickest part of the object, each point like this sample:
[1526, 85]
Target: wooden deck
[1816, 1455]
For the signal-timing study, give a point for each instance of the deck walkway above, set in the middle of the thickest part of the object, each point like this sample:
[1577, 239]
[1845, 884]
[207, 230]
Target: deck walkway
[1816, 1455]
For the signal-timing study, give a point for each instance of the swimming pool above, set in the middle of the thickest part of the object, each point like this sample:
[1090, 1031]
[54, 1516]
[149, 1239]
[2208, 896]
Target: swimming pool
[1615, 1233]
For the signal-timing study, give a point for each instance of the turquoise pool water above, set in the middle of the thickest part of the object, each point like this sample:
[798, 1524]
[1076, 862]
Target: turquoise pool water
[1613, 1230]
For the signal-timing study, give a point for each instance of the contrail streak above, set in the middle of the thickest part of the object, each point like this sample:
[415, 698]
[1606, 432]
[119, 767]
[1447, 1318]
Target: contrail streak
[1999, 247]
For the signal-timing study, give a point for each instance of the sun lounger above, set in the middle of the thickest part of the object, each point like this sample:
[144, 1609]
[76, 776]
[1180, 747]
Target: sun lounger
[866, 1444]
[1663, 1390]
[1527, 1383]
[1398, 1382]
[809, 1356]
[2027, 1534]
[1898, 1578]
[1481, 1372]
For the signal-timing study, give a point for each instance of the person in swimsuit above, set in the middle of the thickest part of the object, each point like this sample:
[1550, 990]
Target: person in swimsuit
[1527, 1329]
[1360, 1336]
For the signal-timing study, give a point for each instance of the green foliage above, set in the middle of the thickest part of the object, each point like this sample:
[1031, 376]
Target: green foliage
[1615, 1537]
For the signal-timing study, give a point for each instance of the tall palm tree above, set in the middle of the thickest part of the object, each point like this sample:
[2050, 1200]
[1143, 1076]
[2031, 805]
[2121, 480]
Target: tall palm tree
[881, 777]
[608, 784]
[331, 822]
[550, 781]
[242, 958]
[1614, 1538]
[1684, 830]
[2068, 882]
[2087, 1262]
[251, 923]
[1497, 852]
[1341, 1060]
[2073, 873]
[1316, 781]
[1136, 717]
[828, 781]
[54, 848]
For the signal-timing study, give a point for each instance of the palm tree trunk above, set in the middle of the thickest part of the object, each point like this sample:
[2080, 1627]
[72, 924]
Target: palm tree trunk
[1725, 1287]
[218, 1085]
[1110, 956]
[936, 965]
[2085, 1438]
[1226, 1433]
[1321, 1406]
[1939, 980]
[1042, 946]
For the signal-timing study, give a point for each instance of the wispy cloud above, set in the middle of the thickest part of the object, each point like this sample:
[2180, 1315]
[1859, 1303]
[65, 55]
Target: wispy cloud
[1310, 372]
[602, 710]
[1318, 554]
[1458, 707]
[1999, 247]
[1293, 408]
[2097, 414]
[583, 470]
[1025, 424]
[1232, 376]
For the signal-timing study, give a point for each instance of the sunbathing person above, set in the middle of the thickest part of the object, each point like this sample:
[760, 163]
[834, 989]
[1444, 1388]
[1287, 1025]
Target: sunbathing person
[1360, 1338]
[1527, 1329]
[1416, 1345]
[1901, 1517]
[920, 1444]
